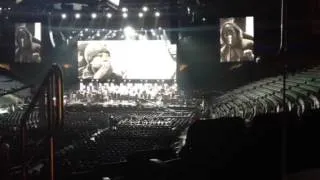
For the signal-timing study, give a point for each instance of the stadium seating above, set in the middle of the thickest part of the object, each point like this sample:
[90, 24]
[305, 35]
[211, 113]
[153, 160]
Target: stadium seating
[266, 96]
[249, 126]
[105, 135]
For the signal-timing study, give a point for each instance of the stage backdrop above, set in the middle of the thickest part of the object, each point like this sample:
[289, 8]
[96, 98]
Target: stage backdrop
[128, 59]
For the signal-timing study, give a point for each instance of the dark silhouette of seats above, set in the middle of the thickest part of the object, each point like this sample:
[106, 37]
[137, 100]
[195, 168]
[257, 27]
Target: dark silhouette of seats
[310, 134]
[273, 144]
[212, 147]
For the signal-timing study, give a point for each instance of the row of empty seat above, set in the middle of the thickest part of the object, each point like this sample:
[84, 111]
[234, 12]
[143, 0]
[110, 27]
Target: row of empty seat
[266, 96]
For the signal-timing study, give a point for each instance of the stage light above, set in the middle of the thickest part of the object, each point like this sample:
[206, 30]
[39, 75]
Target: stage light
[98, 34]
[94, 15]
[124, 9]
[145, 8]
[86, 29]
[160, 28]
[0, 8]
[140, 14]
[63, 15]
[129, 31]
[125, 15]
[109, 15]
[77, 15]
[204, 19]
[157, 13]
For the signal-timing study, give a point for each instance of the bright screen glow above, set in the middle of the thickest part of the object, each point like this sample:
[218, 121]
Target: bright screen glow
[115, 2]
[126, 59]
[236, 39]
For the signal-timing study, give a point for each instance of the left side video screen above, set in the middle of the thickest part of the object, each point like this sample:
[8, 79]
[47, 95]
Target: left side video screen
[28, 42]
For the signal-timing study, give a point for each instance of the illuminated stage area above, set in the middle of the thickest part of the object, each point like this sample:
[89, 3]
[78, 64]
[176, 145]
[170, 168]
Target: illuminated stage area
[158, 89]
[160, 93]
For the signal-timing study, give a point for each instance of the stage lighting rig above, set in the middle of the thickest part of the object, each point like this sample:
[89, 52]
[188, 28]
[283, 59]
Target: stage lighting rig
[140, 14]
[109, 15]
[77, 15]
[145, 8]
[63, 15]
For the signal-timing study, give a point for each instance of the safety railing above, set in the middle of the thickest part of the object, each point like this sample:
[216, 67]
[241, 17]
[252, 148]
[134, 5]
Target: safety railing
[49, 98]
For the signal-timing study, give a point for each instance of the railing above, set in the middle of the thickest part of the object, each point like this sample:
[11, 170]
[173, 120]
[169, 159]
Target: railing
[50, 96]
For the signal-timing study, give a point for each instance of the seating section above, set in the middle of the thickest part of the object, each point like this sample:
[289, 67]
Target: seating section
[272, 143]
[270, 147]
[95, 136]
[266, 96]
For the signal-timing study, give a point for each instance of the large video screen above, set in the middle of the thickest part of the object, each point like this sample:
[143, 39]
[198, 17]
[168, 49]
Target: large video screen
[126, 59]
[28, 42]
[237, 39]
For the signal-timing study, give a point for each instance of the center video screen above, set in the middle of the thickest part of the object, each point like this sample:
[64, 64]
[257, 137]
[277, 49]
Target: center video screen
[123, 59]
[237, 39]
[28, 42]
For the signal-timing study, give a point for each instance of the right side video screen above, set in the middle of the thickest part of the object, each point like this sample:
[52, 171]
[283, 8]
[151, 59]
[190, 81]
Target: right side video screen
[236, 39]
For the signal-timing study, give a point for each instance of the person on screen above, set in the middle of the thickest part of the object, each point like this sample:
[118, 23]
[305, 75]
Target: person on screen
[235, 44]
[81, 60]
[27, 47]
[98, 64]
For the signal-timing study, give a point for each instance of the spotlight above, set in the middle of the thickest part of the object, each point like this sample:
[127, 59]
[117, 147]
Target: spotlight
[129, 31]
[157, 13]
[86, 29]
[64, 16]
[145, 8]
[140, 14]
[0, 8]
[77, 15]
[94, 15]
[204, 19]
[153, 33]
[125, 15]
[109, 15]
[124, 9]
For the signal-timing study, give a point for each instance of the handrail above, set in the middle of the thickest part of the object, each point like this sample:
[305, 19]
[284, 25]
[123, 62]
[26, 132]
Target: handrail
[51, 90]
[16, 90]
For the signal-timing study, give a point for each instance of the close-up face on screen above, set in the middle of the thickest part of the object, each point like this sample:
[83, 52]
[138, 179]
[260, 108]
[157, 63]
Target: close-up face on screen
[127, 59]
[236, 39]
[28, 42]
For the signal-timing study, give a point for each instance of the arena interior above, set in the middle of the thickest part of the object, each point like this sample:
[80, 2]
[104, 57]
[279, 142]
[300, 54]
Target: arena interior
[159, 89]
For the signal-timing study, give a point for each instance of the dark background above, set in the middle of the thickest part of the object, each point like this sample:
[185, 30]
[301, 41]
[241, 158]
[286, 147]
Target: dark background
[197, 41]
